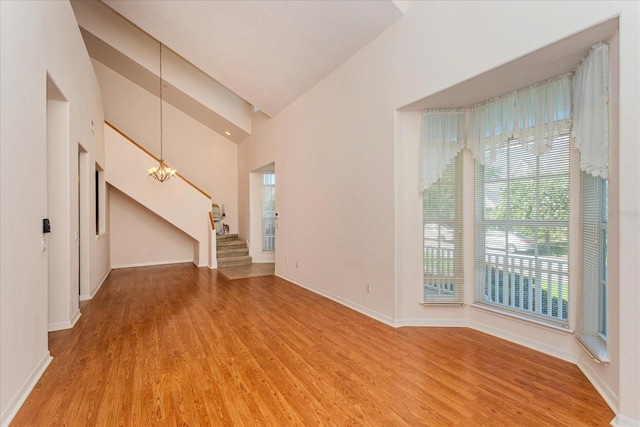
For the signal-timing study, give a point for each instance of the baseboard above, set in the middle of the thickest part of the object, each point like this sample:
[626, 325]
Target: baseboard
[360, 309]
[15, 403]
[601, 387]
[67, 324]
[262, 259]
[623, 421]
[95, 291]
[435, 323]
[517, 339]
[529, 343]
[152, 263]
[75, 317]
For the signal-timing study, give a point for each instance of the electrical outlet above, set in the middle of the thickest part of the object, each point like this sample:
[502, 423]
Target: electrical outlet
[369, 287]
[297, 264]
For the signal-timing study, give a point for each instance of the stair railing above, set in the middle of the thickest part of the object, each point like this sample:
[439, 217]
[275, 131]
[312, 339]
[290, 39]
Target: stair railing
[178, 174]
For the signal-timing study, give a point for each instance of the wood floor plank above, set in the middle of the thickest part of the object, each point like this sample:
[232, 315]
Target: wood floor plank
[182, 346]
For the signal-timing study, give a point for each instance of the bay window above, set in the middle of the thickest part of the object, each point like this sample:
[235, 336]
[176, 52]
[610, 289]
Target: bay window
[522, 143]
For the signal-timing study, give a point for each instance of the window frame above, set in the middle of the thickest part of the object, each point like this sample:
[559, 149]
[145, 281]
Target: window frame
[508, 297]
[602, 291]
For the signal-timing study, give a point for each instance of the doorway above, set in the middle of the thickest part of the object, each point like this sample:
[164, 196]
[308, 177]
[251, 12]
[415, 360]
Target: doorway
[269, 212]
[263, 217]
[60, 278]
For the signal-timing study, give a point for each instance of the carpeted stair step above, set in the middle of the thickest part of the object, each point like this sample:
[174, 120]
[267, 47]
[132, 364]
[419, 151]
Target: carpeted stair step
[230, 244]
[223, 237]
[234, 262]
[233, 252]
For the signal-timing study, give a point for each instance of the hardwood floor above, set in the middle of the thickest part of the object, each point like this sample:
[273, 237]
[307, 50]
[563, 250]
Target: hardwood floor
[182, 346]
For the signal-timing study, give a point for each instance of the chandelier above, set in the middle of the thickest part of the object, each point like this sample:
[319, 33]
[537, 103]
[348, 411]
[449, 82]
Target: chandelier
[162, 172]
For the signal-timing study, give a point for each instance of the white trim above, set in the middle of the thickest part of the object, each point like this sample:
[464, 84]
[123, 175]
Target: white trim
[507, 336]
[523, 319]
[152, 263]
[67, 324]
[264, 258]
[436, 323]
[360, 309]
[95, 291]
[624, 421]
[75, 317]
[14, 405]
[529, 343]
[601, 387]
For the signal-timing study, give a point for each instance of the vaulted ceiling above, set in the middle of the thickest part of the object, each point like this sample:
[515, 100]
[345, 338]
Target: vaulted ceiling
[267, 52]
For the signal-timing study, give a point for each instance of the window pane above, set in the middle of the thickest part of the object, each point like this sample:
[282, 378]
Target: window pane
[268, 212]
[523, 203]
[553, 196]
[522, 231]
[495, 200]
[522, 162]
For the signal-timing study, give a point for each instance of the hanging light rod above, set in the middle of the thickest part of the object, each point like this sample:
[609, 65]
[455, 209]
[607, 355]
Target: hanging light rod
[162, 172]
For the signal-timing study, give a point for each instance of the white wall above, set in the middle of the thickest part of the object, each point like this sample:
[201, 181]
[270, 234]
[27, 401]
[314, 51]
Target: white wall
[347, 191]
[201, 155]
[36, 39]
[140, 237]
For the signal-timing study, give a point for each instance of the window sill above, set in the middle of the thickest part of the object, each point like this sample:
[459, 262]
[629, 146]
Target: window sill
[594, 347]
[441, 303]
[523, 319]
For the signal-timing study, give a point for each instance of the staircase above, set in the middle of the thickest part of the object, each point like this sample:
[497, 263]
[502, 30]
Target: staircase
[231, 251]
[189, 207]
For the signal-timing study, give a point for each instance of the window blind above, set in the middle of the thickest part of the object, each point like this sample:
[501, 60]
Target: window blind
[591, 324]
[522, 230]
[442, 236]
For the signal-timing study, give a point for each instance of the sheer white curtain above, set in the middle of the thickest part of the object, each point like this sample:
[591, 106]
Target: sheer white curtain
[591, 136]
[441, 138]
[533, 115]
[591, 111]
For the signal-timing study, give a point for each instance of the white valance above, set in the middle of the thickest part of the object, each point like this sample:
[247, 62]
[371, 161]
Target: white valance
[591, 111]
[441, 138]
[533, 115]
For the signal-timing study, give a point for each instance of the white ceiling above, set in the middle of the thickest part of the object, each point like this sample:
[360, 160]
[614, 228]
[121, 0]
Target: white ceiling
[267, 52]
